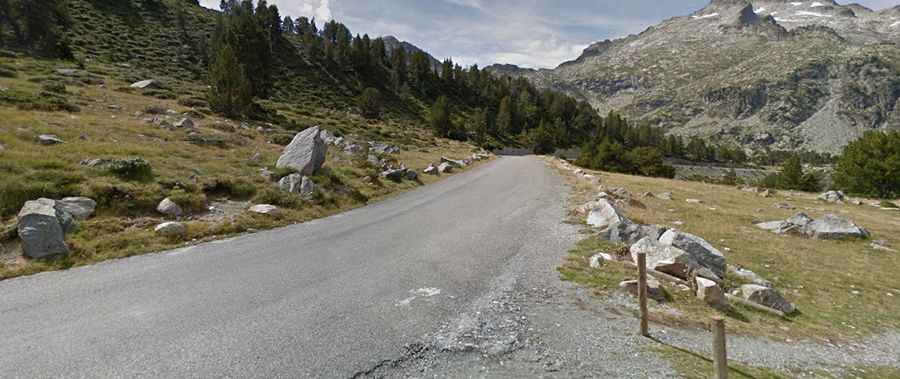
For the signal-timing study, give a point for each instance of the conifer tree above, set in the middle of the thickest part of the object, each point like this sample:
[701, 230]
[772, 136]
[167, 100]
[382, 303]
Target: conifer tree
[230, 91]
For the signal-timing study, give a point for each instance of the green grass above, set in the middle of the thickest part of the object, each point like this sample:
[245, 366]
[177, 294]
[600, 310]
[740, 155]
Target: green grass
[842, 289]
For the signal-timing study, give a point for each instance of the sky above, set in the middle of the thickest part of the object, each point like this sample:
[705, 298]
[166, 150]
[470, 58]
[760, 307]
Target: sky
[528, 33]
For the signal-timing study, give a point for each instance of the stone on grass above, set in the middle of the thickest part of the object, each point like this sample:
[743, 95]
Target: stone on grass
[668, 259]
[307, 188]
[396, 175]
[291, 183]
[604, 215]
[710, 292]
[694, 201]
[629, 232]
[431, 170]
[81, 208]
[766, 296]
[169, 208]
[599, 259]
[171, 230]
[832, 227]
[42, 229]
[749, 276]
[306, 152]
[654, 290]
[700, 251]
[664, 196]
[832, 196]
[149, 83]
[49, 139]
[266, 209]
[184, 123]
[454, 162]
[412, 175]
[445, 168]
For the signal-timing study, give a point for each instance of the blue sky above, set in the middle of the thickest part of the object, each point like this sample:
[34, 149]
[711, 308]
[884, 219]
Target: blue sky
[531, 33]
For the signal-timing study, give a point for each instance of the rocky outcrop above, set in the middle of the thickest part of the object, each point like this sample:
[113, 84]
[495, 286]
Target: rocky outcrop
[306, 152]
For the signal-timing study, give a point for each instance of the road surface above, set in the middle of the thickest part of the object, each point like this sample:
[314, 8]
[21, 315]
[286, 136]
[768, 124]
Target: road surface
[453, 279]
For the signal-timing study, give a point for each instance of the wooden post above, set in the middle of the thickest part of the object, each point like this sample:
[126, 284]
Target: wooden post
[642, 293]
[720, 355]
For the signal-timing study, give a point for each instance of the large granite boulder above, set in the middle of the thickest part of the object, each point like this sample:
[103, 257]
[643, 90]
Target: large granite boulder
[670, 260]
[700, 251]
[81, 208]
[766, 296]
[42, 228]
[604, 215]
[306, 153]
[628, 232]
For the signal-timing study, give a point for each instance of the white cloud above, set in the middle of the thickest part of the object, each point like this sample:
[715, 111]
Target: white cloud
[320, 9]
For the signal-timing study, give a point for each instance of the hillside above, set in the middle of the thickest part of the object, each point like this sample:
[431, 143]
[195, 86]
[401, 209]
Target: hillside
[773, 74]
[83, 128]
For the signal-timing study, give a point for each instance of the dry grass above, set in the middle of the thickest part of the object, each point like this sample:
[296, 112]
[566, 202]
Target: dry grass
[842, 289]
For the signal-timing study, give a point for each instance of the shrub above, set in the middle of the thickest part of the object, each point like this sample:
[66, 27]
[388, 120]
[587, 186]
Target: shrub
[54, 88]
[274, 196]
[131, 169]
[792, 177]
[871, 166]
[369, 103]
[191, 202]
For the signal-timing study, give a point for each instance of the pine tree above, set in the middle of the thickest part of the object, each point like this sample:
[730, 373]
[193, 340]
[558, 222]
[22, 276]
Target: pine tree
[399, 70]
[287, 25]
[439, 117]
[504, 117]
[369, 103]
[230, 91]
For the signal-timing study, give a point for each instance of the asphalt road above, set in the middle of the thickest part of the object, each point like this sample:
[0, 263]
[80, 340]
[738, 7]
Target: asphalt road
[352, 294]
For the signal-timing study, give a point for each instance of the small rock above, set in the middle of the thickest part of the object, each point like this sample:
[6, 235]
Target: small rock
[766, 193]
[766, 296]
[455, 163]
[266, 209]
[445, 168]
[49, 139]
[171, 230]
[783, 206]
[185, 123]
[599, 259]
[694, 201]
[664, 196]
[291, 183]
[749, 276]
[412, 175]
[832, 196]
[81, 208]
[169, 208]
[396, 175]
[654, 291]
[149, 83]
[604, 215]
[431, 170]
[882, 245]
[710, 292]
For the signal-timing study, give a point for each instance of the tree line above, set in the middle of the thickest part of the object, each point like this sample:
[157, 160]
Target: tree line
[36, 25]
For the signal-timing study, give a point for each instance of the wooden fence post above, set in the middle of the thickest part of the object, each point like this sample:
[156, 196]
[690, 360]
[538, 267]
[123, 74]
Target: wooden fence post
[720, 355]
[642, 293]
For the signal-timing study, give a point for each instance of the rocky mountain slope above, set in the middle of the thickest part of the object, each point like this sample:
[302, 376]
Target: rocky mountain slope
[391, 43]
[772, 74]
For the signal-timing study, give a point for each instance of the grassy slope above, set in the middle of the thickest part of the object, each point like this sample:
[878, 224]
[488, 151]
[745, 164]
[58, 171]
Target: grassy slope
[843, 289]
[118, 49]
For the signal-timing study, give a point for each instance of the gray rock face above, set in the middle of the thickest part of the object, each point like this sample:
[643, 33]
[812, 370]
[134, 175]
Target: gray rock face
[832, 227]
[171, 230]
[42, 229]
[604, 215]
[700, 251]
[169, 208]
[81, 208]
[767, 296]
[832, 196]
[306, 153]
[266, 209]
[654, 291]
[49, 139]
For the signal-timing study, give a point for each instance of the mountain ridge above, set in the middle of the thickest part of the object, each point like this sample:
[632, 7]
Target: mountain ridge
[801, 75]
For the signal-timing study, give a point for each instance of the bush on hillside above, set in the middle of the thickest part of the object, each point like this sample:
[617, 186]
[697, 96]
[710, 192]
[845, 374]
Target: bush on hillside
[792, 177]
[369, 103]
[871, 166]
